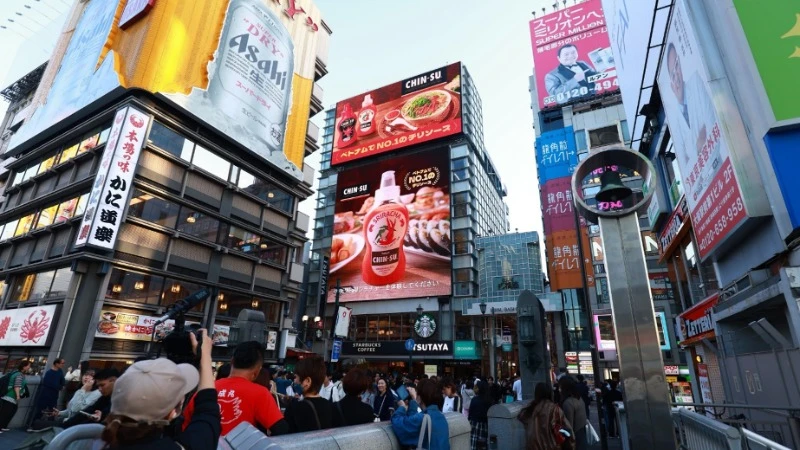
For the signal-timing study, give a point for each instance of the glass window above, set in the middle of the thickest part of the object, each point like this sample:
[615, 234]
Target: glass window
[8, 231]
[68, 153]
[25, 224]
[170, 141]
[580, 139]
[604, 136]
[104, 136]
[82, 204]
[66, 210]
[153, 209]
[199, 225]
[175, 290]
[230, 303]
[22, 288]
[30, 172]
[41, 284]
[47, 163]
[134, 287]
[280, 199]
[460, 163]
[46, 216]
[60, 282]
[460, 174]
[460, 198]
[242, 240]
[460, 235]
[211, 163]
[625, 133]
[246, 179]
[89, 143]
[272, 251]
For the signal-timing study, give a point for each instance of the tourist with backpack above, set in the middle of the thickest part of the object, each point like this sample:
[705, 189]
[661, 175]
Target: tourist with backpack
[14, 387]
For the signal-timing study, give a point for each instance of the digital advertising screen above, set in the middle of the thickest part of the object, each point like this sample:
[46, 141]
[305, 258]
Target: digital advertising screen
[392, 229]
[604, 332]
[412, 111]
[572, 55]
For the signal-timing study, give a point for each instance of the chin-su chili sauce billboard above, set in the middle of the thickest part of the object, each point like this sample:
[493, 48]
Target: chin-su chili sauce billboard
[392, 228]
[412, 111]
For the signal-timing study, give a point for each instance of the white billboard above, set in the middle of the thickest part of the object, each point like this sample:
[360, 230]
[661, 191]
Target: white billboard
[26, 327]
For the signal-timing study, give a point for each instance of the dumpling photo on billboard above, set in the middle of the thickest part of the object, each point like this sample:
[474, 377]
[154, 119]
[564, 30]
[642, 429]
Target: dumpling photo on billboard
[392, 228]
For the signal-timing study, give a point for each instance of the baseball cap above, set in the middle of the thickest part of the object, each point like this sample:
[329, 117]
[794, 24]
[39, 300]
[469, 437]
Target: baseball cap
[150, 389]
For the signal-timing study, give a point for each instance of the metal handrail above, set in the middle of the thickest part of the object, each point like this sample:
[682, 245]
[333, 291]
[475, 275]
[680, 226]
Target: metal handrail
[761, 441]
[696, 431]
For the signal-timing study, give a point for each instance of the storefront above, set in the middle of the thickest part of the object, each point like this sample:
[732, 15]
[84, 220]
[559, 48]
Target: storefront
[696, 333]
[680, 383]
[392, 356]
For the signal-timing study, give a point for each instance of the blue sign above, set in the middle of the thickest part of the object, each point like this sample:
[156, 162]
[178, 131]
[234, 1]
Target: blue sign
[410, 345]
[782, 148]
[556, 154]
[337, 349]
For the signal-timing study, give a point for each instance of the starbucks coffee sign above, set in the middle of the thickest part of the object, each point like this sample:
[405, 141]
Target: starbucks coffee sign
[365, 349]
[425, 326]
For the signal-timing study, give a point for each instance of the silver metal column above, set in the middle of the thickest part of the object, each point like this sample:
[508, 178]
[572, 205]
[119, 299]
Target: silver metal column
[638, 350]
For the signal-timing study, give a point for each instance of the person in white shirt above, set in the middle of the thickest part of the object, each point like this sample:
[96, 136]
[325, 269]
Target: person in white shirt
[331, 391]
[517, 388]
[467, 393]
[452, 402]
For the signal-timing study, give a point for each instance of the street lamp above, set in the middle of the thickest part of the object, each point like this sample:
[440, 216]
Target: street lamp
[483, 308]
[419, 309]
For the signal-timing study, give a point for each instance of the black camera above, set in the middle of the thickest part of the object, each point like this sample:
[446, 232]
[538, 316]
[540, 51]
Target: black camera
[177, 344]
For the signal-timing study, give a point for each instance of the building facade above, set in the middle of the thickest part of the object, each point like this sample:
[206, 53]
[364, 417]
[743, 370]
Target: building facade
[716, 126]
[132, 204]
[570, 124]
[379, 327]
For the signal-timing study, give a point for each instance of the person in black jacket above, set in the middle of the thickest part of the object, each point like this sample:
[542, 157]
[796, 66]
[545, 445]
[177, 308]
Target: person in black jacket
[384, 401]
[312, 412]
[150, 395]
[478, 415]
[355, 411]
[97, 412]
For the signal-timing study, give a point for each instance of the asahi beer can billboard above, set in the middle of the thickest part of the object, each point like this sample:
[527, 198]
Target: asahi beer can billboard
[244, 68]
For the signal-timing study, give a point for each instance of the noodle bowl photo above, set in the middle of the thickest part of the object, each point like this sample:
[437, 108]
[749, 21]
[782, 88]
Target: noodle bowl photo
[427, 107]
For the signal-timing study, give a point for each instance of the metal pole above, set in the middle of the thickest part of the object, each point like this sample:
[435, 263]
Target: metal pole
[335, 319]
[492, 343]
[587, 305]
[641, 364]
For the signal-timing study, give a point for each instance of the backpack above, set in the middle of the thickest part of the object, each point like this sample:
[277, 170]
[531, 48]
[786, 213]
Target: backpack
[5, 380]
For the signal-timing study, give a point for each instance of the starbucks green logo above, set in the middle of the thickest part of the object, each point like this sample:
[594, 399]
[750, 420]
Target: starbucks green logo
[425, 326]
[794, 32]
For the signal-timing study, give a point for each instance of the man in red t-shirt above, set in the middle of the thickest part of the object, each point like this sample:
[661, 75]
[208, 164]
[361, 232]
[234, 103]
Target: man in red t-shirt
[241, 400]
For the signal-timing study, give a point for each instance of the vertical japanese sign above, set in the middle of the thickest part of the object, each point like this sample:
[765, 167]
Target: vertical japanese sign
[113, 182]
[558, 214]
[712, 189]
[556, 154]
[563, 256]
[572, 55]
[343, 322]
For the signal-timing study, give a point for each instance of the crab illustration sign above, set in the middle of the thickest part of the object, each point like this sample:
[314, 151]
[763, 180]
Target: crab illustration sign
[26, 327]
[425, 326]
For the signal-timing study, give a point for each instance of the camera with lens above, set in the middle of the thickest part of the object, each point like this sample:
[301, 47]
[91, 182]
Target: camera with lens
[177, 344]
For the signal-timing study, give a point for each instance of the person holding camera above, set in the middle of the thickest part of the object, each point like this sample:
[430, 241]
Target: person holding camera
[150, 394]
[407, 423]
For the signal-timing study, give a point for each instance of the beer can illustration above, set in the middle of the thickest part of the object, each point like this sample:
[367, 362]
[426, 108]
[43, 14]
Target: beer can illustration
[250, 79]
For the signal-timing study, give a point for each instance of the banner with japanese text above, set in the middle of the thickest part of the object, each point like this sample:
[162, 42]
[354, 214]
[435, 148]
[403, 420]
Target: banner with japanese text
[556, 154]
[114, 180]
[115, 324]
[572, 55]
[563, 260]
[712, 189]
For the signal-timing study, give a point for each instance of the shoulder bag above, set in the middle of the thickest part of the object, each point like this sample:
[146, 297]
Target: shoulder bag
[380, 410]
[316, 416]
[424, 429]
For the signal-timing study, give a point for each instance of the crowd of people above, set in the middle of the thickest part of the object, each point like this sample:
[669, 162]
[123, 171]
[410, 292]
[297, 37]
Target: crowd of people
[159, 404]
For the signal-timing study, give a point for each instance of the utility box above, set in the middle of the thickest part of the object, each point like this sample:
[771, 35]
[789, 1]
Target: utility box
[506, 432]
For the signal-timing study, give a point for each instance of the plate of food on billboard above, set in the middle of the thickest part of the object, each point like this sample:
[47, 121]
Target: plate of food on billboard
[392, 228]
[412, 111]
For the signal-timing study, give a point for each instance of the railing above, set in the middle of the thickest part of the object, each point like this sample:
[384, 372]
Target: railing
[728, 427]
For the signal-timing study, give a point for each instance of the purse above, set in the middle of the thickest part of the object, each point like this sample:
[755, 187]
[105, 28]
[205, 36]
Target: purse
[378, 416]
[424, 430]
[557, 427]
[591, 435]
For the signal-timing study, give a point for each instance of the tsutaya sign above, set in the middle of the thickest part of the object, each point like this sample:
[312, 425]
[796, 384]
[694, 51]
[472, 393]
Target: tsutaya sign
[509, 307]
[395, 348]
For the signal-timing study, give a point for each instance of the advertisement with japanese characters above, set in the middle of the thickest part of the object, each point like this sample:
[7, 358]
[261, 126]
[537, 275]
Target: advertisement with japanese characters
[113, 182]
[563, 258]
[604, 332]
[572, 55]
[556, 197]
[392, 229]
[26, 327]
[556, 155]
[710, 182]
[245, 68]
[418, 109]
[115, 324]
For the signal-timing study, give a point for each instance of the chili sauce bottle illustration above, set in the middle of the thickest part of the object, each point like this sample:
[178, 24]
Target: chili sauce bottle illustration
[366, 117]
[385, 230]
[347, 127]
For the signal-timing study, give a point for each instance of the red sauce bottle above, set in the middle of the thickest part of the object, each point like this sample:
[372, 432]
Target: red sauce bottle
[347, 127]
[385, 228]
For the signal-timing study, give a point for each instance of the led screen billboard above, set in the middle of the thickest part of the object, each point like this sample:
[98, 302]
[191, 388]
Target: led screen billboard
[556, 154]
[412, 111]
[572, 55]
[563, 258]
[604, 332]
[244, 67]
[392, 228]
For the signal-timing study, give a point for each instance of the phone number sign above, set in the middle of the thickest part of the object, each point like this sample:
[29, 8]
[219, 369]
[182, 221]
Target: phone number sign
[719, 211]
